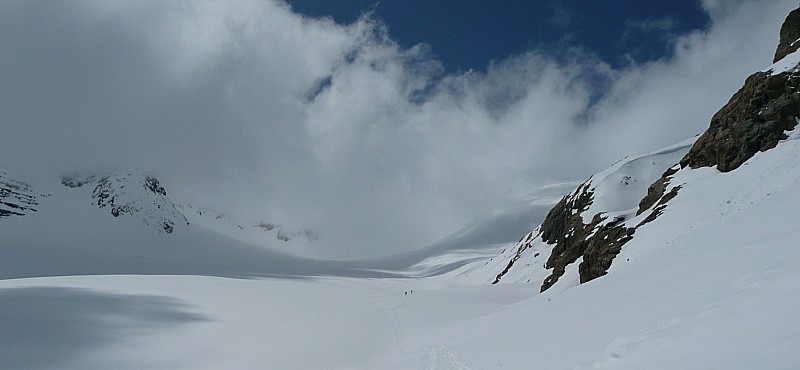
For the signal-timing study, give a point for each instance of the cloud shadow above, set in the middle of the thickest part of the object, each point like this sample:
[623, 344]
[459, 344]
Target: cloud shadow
[54, 327]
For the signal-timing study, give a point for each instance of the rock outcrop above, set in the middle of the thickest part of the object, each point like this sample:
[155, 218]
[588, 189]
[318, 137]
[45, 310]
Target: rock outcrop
[790, 34]
[598, 242]
[754, 120]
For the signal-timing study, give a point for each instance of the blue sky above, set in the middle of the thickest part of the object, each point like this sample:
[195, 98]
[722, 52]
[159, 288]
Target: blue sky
[468, 34]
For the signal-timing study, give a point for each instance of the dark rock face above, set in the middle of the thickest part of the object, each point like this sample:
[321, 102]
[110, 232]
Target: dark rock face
[602, 248]
[657, 196]
[656, 191]
[753, 120]
[572, 239]
[564, 229]
[790, 32]
[151, 183]
[661, 205]
[16, 198]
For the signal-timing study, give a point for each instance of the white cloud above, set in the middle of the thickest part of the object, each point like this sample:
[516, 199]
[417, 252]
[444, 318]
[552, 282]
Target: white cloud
[335, 127]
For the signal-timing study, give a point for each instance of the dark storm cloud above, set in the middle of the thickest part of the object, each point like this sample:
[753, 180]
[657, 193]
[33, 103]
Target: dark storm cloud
[297, 120]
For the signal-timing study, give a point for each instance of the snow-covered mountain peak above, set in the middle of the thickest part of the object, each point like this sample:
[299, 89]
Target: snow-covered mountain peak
[131, 193]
